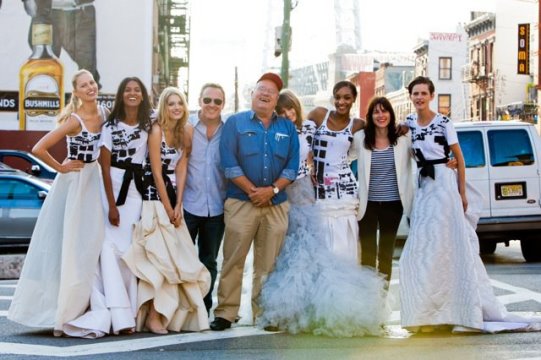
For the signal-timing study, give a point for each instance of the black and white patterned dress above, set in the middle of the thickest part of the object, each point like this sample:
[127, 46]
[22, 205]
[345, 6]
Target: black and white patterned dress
[442, 278]
[165, 260]
[57, 277]
[114, 294]
[170, 156]
[336, 191]
[311, 289]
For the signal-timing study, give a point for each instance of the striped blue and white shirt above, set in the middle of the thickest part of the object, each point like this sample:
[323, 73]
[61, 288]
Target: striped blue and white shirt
[383, 184]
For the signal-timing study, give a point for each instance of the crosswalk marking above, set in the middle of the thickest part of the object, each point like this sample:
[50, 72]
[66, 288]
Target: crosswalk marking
[517, 294]
[117, 346]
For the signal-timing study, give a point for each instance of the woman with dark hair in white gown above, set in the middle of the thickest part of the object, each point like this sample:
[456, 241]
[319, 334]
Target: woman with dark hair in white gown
[312, 289]
[443, 282]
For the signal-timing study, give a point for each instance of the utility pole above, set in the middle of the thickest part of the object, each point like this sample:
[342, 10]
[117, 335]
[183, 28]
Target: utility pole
[285, 42]
[236, 89]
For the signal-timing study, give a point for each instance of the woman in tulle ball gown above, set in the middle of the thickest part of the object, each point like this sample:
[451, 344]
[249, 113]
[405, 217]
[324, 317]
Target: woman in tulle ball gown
[312, 290]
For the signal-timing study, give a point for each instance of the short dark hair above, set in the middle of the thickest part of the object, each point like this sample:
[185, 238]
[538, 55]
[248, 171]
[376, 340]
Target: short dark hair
[422, 80]
[345, 83]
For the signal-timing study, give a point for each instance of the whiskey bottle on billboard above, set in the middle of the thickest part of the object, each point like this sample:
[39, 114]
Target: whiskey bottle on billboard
[41, 83]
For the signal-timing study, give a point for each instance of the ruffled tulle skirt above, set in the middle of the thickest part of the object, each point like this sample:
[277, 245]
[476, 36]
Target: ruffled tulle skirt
[312, 289]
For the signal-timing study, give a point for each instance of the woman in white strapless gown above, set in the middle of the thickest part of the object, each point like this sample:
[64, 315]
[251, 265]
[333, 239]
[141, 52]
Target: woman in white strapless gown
[172, 280]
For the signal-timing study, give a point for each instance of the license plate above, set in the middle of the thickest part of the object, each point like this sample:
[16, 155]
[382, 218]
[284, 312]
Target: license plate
[512, 190]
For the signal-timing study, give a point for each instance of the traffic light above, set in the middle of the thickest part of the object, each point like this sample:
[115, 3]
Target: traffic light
[277, 41]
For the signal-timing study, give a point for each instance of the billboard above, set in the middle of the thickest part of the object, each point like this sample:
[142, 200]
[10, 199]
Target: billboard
[111, 39]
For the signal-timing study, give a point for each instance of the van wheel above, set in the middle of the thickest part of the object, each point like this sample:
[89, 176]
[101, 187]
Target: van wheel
[487, 247]
[531, 249]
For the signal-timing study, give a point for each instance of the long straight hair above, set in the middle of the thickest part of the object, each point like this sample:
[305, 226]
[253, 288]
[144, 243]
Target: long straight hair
[143, 111]
[166, 123]
[370, 129]
[288, 100]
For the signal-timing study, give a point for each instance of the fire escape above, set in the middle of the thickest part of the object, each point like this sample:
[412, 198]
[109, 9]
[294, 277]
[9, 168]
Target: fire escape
[174, 43]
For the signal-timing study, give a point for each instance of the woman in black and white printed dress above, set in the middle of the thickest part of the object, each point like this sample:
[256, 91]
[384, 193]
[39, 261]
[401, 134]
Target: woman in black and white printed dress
[113, 303]
[443, 282]
[172, 280]
[56, 280]
[312, 289]
[336, 188]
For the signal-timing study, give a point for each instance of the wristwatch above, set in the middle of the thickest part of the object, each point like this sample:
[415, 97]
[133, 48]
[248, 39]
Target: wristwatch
[275, 189]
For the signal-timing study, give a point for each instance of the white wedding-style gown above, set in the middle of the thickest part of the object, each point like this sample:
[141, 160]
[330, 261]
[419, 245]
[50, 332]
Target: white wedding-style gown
[312, 290]
[443, 281]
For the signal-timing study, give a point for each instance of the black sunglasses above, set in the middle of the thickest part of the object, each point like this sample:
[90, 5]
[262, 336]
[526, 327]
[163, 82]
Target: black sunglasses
[207, 101]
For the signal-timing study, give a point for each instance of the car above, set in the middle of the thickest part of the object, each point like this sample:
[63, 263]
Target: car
[28, 163]
[21, 198]
[503, 161]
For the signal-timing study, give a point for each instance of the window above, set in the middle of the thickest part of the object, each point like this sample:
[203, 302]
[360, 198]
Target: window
[471, 143]
[444, 104]
[510, 148]
[446, 64]
[17, 190]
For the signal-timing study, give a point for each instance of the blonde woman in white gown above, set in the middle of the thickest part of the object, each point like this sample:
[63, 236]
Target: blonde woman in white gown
[172, 280]
[56, 280]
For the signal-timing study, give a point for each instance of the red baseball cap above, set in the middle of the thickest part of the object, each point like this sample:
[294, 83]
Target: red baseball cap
[275, 78]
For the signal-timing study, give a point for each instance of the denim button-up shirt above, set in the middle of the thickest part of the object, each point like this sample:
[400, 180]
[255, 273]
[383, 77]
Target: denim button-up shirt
[204, 193]
[261, 154]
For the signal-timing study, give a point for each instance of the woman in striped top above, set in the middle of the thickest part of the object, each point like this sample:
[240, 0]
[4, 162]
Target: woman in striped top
[385, 184]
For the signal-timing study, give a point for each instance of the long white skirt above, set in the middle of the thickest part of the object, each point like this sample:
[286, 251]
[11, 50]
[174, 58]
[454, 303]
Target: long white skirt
[113, 302]
[339, 222]
[442, 278]
[313, 289]
[170, 274]
[57, 276]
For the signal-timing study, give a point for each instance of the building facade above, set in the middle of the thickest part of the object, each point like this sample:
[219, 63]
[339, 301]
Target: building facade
[442, 58]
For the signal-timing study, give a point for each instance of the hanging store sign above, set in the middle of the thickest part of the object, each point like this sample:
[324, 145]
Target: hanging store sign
[523, 55]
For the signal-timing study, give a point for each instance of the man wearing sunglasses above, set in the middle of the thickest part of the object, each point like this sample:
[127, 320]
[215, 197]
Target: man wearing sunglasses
[204, 193]
[260, 157]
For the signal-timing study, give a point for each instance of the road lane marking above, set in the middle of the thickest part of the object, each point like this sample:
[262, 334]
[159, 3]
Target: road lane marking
[519, 293]
[116, 346]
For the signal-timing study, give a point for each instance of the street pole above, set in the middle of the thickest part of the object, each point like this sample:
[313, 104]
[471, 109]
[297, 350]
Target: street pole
[236, 89]
[285, 41]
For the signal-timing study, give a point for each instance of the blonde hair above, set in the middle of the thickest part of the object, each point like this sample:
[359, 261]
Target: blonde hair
[74, 103]
[166, 123]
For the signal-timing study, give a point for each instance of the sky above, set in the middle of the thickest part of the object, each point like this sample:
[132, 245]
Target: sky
[239, 33]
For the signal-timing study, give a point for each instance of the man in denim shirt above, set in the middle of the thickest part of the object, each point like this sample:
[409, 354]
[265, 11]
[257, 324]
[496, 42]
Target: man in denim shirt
[260, 157]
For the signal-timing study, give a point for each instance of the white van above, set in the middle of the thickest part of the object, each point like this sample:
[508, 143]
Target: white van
[503, 160]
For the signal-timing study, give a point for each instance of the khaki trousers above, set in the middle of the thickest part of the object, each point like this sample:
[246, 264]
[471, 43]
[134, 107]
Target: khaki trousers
[245, 223]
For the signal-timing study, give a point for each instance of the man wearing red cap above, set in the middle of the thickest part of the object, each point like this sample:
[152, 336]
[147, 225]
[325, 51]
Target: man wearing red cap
[260, 157]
